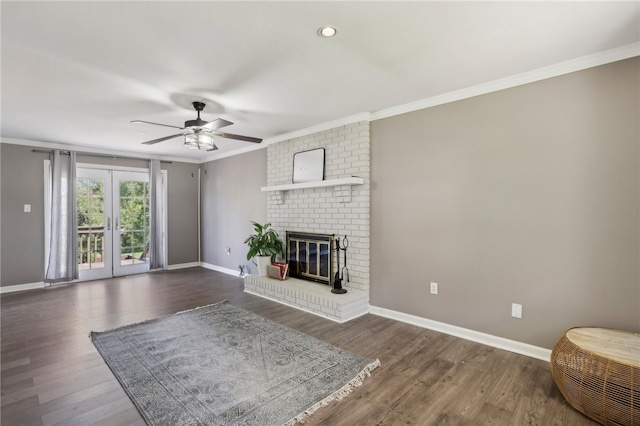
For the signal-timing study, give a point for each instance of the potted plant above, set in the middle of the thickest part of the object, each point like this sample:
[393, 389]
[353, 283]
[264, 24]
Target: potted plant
[264, 245]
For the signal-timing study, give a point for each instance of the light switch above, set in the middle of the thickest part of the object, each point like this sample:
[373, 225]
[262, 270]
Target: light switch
[516, 310]
[27, 208]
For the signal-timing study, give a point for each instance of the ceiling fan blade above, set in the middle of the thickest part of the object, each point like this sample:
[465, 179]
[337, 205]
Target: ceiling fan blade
[157, 124]
[217, 124]
[238, 137]
[162, 139]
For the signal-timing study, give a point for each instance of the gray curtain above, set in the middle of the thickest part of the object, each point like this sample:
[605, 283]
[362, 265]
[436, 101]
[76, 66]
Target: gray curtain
[156, 256]
[62, 264]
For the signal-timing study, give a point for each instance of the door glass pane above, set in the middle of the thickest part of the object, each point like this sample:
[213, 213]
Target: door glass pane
[90, 199]
[313, 258]
[325, 255]
[134, 222]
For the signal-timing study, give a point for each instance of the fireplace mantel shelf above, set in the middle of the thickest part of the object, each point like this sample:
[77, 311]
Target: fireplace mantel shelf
[354, 180]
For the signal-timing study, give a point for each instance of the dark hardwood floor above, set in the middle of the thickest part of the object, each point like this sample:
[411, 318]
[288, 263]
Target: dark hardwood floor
[53, 375]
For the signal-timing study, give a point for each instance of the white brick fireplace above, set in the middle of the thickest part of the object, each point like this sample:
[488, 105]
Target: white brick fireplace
[341, 209]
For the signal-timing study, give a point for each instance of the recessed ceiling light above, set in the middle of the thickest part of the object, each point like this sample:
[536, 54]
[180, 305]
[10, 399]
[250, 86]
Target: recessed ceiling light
[327, 31]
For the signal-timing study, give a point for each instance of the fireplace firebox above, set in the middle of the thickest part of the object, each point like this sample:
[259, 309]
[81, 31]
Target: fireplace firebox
[310, 256]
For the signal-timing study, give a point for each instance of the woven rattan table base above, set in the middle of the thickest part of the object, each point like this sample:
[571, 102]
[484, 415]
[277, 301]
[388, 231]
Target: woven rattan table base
[598, 378]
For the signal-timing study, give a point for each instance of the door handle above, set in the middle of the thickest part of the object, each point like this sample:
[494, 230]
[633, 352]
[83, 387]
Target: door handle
[115, 225]
[108, 224]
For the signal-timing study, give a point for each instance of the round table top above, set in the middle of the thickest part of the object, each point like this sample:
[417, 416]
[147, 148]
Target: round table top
[616, 345]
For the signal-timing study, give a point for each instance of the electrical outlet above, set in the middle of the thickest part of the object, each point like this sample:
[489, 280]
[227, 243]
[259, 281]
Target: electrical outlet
[227, 250]
[434, 288]
[516, 310]
[27, 208]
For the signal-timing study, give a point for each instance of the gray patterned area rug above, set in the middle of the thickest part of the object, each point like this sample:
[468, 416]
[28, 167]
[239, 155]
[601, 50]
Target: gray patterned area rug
[222, 365]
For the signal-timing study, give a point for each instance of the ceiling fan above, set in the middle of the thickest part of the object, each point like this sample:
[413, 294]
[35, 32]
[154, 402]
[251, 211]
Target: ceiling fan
[198, 134]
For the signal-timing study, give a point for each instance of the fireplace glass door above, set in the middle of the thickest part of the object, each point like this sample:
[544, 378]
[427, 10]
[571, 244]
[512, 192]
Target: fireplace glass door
[309, 256]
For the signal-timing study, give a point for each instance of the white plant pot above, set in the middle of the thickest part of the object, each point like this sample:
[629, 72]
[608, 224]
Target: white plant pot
[263, 265]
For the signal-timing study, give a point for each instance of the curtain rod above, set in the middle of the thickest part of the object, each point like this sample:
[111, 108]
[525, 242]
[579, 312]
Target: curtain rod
[93, 154]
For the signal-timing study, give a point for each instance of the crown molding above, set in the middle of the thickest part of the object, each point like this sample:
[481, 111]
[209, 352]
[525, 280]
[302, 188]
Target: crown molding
[234, 152]
[578, 64]
[365, 116]
[90, 150]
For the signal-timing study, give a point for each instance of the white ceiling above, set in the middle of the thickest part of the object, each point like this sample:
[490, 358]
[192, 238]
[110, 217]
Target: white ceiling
[78, 72]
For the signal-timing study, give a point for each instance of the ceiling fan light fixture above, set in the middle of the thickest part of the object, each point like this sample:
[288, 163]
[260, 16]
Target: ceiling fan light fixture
[327, 31]
[198, 134]
[199, 140]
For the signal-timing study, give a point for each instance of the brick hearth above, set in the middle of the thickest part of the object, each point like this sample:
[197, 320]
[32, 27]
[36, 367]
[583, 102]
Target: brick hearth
[310, 297]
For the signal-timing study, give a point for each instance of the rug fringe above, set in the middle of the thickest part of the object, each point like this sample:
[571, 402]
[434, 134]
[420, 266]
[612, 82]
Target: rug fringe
[337, 395]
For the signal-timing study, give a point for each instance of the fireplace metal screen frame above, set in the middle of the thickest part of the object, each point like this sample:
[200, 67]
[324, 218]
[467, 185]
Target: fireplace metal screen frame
[299, 269]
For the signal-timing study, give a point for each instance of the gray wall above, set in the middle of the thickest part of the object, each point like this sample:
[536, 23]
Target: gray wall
[231, 199]
[22, 234]
[182, 214]
[528, 195]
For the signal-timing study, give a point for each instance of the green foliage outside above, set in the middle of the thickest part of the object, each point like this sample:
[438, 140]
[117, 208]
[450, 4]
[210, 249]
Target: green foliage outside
[134, 219]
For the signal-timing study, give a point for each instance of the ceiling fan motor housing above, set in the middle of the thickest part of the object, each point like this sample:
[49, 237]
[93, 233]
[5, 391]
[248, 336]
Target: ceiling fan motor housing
[194, 123]
[198, 106]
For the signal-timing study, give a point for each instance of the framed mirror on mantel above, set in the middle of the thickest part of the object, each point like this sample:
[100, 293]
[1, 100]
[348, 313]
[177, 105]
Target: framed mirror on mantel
[308, 166]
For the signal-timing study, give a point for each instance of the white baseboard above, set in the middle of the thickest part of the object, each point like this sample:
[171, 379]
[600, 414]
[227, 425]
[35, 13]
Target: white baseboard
[31, 286]
[21, 287]
[182, 266]
[464, 333]
[234, 272]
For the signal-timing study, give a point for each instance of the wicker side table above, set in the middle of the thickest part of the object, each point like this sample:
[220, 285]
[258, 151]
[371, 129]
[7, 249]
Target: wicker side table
[598, 372]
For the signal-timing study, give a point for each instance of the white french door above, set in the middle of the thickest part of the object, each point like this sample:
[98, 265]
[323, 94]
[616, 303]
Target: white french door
[93, 192]
[113, 222]
[130, 222]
